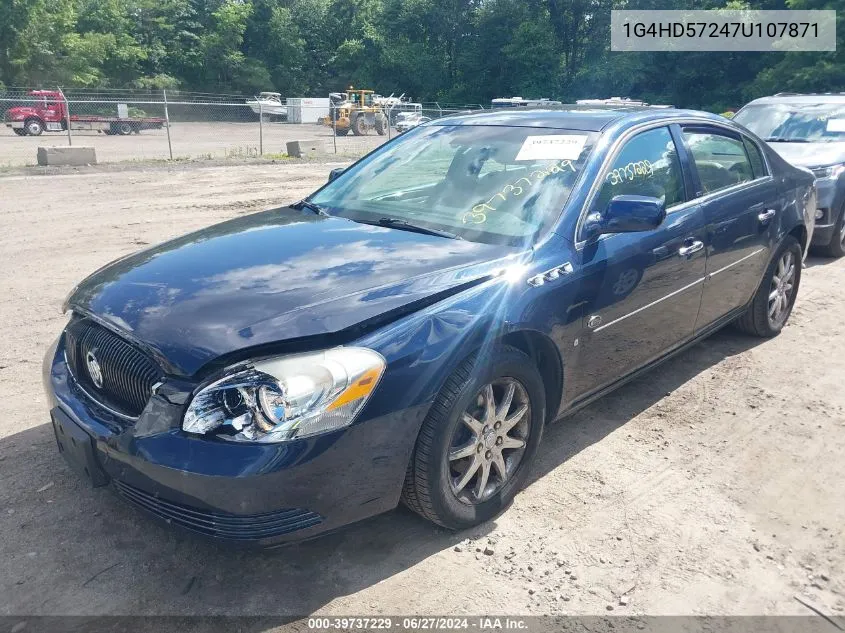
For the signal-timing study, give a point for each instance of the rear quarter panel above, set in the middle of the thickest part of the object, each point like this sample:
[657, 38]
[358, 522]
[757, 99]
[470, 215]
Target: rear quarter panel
[797, 186]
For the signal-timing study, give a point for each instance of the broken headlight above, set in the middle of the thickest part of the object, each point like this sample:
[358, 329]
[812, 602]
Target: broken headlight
[289, 397]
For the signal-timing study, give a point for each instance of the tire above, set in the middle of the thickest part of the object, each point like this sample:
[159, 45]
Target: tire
[758, 320]
[381, 124]
[341, 131]
[33, 127]
[19, 131]
[123, 128]
[836, 248]
[359, 127]
[432, 481]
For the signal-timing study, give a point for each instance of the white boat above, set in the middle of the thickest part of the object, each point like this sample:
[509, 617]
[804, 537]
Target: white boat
[268, 103]
[388, 102]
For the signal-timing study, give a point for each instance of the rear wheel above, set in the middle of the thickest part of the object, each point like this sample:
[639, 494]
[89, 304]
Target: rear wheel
[359, 126]
[478, 440]
[124, 128]
[381, 124]
[33, 127]
[836, 248]
[773, 302]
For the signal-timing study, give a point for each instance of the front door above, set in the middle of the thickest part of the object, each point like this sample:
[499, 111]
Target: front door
[741, 203]
[641, 291]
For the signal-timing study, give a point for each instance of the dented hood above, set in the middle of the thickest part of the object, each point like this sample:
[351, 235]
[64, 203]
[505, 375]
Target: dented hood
[269, 277]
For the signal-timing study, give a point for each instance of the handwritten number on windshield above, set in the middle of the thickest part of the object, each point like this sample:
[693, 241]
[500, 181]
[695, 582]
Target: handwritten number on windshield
[478, 215]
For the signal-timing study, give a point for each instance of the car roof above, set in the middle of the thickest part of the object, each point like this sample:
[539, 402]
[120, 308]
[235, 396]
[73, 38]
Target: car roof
[587, 119]
[790, 97]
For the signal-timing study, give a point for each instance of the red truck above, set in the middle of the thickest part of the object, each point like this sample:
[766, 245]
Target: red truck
[49, 113]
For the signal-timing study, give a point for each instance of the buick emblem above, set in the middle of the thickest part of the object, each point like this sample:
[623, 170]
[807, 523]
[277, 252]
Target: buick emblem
[94, 370]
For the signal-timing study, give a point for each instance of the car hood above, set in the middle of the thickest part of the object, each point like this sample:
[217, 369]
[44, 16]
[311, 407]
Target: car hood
[811, 154]
[269, 277]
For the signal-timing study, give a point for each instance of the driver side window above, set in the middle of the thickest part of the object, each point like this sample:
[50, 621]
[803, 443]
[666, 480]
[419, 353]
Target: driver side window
[647, 165]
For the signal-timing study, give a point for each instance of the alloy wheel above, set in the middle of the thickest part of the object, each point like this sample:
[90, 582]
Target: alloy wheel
[781, 289]
[488, 445]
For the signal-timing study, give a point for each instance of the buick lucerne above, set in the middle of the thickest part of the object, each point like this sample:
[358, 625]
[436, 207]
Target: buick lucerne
[405, 332]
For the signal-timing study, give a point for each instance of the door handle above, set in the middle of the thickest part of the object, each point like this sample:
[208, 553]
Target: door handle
[766, 215]
[694, 247]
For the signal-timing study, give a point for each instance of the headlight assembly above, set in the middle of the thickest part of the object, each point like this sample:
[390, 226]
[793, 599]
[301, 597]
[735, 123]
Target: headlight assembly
[280, 399]
[828, 172]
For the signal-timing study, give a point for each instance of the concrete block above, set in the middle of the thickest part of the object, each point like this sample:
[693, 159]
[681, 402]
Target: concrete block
[67, 156]
[304, 149]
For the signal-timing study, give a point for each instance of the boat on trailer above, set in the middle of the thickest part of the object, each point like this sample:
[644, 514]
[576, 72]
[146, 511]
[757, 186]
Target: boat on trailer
[269, 104]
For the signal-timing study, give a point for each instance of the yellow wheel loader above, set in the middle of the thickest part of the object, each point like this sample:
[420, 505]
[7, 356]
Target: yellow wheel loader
[354, 110]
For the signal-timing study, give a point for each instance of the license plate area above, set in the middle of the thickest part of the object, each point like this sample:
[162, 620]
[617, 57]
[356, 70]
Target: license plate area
[54, 127]
[77, 447]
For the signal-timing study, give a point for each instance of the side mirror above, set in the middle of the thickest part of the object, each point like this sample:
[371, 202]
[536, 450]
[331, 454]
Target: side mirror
[626, 214]
[334, 173]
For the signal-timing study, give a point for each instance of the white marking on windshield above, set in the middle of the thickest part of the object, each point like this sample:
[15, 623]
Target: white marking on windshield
[552, 147]
[836, 125]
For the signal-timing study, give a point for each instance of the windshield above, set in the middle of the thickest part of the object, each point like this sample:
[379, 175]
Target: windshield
[795, 122]
[490, 184]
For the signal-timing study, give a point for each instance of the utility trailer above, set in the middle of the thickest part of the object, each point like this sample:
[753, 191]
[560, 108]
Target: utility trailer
[49, 114]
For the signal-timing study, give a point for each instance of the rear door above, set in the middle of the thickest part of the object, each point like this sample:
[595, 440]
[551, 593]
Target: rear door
[741, 203]
[641, 291]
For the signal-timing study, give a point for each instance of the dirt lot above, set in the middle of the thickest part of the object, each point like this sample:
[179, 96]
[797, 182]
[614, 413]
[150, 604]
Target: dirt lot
[189, 140]
[713, 485]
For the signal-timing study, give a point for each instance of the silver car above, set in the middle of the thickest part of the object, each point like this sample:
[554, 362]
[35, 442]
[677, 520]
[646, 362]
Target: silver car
[809, 131]
[410, 120]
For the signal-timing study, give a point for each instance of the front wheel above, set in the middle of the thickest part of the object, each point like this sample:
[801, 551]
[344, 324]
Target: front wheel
[34, 127]
[836, 248]
[772, 304]
[478, 440]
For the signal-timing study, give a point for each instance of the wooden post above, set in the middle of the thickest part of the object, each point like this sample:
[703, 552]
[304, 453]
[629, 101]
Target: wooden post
[67, 117]
[167, 123]
[260, 128]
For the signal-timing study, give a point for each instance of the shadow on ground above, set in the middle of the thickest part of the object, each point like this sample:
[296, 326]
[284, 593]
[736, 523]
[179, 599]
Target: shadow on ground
[68, 549]
[814, 260]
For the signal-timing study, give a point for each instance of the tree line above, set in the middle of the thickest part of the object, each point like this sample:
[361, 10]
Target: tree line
[459, 51]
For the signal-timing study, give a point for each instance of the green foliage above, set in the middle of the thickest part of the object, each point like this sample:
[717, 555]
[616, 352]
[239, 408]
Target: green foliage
[447, 50]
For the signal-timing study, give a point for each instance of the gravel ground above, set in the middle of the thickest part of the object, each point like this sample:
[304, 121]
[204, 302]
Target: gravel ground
[189, 140]
[712, 485]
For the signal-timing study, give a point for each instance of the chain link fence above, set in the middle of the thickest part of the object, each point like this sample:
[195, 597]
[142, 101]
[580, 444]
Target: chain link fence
[146, 125]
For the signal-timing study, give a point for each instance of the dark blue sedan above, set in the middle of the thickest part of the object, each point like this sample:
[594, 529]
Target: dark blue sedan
[405, 333]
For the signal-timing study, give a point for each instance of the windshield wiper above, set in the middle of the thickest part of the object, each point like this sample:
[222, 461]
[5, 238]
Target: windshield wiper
[404, 225]
[310, 206]
[783, 139]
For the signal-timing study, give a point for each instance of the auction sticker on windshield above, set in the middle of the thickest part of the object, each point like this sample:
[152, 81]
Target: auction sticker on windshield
[552, 147]
[836, 125]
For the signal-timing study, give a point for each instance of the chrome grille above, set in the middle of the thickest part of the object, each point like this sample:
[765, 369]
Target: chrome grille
[218, 524]
[128, 375]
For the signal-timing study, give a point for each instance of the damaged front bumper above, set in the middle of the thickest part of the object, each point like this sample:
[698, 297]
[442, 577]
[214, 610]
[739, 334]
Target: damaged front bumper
[233, 491]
